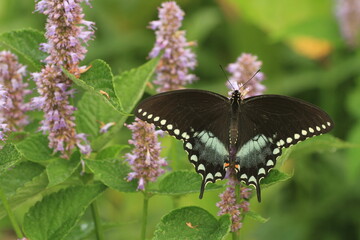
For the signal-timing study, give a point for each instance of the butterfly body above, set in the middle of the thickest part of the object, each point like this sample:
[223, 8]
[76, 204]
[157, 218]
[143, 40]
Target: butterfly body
[245, 134]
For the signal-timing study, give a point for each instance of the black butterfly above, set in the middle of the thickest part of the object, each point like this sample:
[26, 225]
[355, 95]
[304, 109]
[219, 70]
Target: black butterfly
[245, 134]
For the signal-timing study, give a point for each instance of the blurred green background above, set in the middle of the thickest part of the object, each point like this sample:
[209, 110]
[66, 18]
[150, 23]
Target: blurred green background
[303, 55]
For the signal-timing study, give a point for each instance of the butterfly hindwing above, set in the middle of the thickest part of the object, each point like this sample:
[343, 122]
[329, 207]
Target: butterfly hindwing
[198, 118]
[269, 123]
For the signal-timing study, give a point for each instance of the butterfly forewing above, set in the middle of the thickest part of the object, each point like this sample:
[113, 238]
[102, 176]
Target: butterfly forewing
[269, 123]
[200, 119]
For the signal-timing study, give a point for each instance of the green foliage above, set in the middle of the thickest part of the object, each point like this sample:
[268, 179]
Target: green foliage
[9, 156]
[181, 182]
[26, 44]
[56, 215]
[192, 223]
[58, 170]
[130, 85]
[112, 173]
[319, 200]
[35, 148]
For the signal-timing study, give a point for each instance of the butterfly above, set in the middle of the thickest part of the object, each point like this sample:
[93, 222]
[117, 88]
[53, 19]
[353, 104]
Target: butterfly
[246, 134]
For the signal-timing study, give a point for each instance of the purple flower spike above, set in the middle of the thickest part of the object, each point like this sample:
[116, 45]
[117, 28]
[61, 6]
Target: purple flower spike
[177, 59]
[145, 160]
[230, 205]
[66, 33]
[348, 14]
[242, 70]
[11, 78]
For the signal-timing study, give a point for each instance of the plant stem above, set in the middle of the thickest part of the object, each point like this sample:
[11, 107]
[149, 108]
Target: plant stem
[11, 215]
[98, 227]
[236, 235]
[145, 214]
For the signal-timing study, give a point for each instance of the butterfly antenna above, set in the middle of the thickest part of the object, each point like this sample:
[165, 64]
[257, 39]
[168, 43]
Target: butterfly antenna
[227, 79]
[251, 77]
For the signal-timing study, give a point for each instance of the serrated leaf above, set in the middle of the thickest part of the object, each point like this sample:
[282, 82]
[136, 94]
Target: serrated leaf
[9, 156]
[257, 217]
[21, 183]
[191, 223]
[111, 152]
[59, 169]
[323, 143]
[98, 81]
[273, 177]
[57, 214]
[92, 111]
[35, 148]
[182, 182]
[25, 43]
[129, 86]
[112, 173]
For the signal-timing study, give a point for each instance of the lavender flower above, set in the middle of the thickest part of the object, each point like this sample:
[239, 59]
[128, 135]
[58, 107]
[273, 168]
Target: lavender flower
[230, 205]
[66, 32]
[242, 70]
[3, 126]
[145, 160]
[11, 78]
[173, 69]
[348, 14]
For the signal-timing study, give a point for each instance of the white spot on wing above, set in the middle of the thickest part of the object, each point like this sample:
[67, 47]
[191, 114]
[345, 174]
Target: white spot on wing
[289, 140]
[311, 130]
[218, 174]
[270, 163]
[276, 151]
[177, 131]
[243, 176]
[140, 110]
[252, 179]
[296, 136]
[163, 122]
[188, 145]
[150, 116]
[261, 171]
[303, 132]
[209, 176]
[201, 167]
[169, 126]
[194, 158]
[156, 119]
[318, 128]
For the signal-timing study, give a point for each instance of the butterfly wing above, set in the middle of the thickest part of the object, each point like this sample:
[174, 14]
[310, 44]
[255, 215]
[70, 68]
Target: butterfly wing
[269, 123]
[198, 118]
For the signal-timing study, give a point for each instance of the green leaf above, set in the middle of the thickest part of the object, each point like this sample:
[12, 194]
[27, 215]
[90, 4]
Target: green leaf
[35, 148]
[57, 214]
[182, 182]
[273, 177]
[98, 81]
[257, 217]
[129, 86]
[111, 152]
[113, 174]
[323, 143]
[26, 44]
[9, 156]
[91, 112]
[59, 169]
[191, 223]
[21, 183]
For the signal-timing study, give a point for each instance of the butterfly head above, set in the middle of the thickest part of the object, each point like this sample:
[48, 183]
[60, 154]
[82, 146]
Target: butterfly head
[236, 96]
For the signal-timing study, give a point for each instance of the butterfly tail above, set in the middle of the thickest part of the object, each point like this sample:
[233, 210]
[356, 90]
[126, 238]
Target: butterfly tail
[258, 192]
[202, 189]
